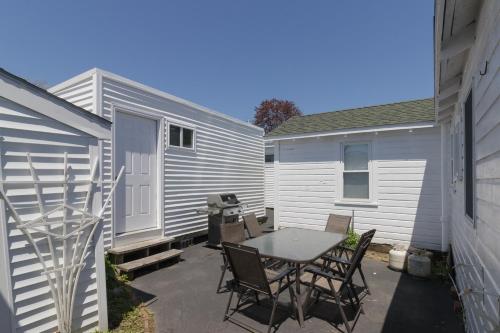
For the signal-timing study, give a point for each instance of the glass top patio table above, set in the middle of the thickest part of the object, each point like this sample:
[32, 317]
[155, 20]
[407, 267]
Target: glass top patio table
[296, 245]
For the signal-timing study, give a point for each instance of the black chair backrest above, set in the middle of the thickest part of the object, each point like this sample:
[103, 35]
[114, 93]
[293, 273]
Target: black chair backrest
[359, 253]
[246, 265]
[232, 232]
[338, 223]
[253, 227]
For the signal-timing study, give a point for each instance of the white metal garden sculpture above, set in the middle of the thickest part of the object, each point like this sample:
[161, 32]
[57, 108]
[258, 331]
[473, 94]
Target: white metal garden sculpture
[67, 232]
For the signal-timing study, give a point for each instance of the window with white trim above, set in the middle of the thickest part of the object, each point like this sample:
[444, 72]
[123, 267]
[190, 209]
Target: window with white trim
[356, 173]
[179, 136]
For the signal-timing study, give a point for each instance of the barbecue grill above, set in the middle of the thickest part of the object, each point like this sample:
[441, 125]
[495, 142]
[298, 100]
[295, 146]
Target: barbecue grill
[222, 208]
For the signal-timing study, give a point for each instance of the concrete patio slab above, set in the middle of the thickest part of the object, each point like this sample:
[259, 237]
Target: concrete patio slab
[184, 300]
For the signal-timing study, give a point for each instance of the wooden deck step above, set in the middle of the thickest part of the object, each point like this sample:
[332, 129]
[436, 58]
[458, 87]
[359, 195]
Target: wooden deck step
[121, 250]
[131, 266]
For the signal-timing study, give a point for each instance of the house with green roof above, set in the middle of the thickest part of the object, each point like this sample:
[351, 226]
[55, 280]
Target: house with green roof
[381, 164]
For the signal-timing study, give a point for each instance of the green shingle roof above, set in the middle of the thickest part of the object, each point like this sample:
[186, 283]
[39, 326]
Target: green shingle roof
[421, 110]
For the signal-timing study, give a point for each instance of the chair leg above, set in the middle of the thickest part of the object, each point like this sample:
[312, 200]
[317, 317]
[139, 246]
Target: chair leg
[311, 288]
[290, 290]
[350, 295]
[257, 297]
[222, 277]
[240, 295]
[228, 304]
[357, 298]
[364, 280]
[318, 295]
[275, 304]
[342, 313]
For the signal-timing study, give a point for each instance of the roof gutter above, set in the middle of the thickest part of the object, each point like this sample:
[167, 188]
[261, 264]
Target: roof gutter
[398, 127]
[439, 8]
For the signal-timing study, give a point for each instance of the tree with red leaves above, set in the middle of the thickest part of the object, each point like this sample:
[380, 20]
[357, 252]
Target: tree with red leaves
[273, 112]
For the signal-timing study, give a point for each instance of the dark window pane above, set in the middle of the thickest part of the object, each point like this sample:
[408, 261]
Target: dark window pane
[269, 158]
[469, 157]
[175, 136]
[356, 185]
[187, 138]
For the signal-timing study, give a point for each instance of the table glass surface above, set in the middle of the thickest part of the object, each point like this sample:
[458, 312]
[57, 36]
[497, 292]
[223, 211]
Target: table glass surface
[296, 245]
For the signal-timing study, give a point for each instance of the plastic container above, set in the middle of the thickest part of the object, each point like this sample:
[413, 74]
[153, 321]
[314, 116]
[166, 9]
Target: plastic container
[419, 265]
[397, 257]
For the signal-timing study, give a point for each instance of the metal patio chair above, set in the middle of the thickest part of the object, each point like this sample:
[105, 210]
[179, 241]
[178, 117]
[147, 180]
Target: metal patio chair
[250, 276]
[233, 233]
[338, 286]
[338, 223]
[344, 262]
[252, 225]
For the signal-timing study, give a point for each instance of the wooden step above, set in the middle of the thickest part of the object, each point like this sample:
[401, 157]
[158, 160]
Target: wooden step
[121, 250]
[154, 259]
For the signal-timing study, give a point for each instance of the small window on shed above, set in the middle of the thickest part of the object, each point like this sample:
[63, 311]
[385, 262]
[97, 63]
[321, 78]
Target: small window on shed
[356, 174]
[175, 136]
[187, 138]
[469, 157]
[269, 158]
[180, 137]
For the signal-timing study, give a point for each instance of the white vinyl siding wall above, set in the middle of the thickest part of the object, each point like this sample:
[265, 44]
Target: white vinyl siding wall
[477, 249]
[406, 203]
[21, 131]
[269, 184]
[228, 155]
[80, 92]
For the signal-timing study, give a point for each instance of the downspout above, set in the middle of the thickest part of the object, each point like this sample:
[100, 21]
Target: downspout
[445, 239]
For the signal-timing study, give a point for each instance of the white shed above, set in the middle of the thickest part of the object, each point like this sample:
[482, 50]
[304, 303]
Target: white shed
[467, 92]
[175, 153]
[48, 128]
[380, 163]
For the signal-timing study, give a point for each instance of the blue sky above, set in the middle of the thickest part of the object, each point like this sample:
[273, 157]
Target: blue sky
[229, 55]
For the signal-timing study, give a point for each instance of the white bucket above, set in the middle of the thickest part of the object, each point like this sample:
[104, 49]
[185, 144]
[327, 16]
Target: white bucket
[397, 257]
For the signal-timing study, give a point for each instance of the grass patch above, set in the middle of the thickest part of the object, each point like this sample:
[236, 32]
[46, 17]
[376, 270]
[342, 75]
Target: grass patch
[126, 314]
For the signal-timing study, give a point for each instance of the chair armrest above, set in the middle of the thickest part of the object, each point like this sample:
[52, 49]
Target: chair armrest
[325, 274]
[345, 248]
[336, 259]
[282, 274]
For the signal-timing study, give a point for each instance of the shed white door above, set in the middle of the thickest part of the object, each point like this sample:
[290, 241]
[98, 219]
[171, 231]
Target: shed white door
[136, 149]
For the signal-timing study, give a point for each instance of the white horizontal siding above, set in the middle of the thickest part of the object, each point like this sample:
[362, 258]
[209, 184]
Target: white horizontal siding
[269, 185]
[47, 141]
[229, 155]
[406, 178]
[228, 158]
[477, 249]
[80, 93]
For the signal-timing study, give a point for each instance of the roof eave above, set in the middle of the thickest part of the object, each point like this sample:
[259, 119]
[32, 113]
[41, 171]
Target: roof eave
[349, 131]
[39, 100]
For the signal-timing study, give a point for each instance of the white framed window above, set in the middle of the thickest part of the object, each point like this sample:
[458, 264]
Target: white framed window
[356, 172]
[181, 136]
